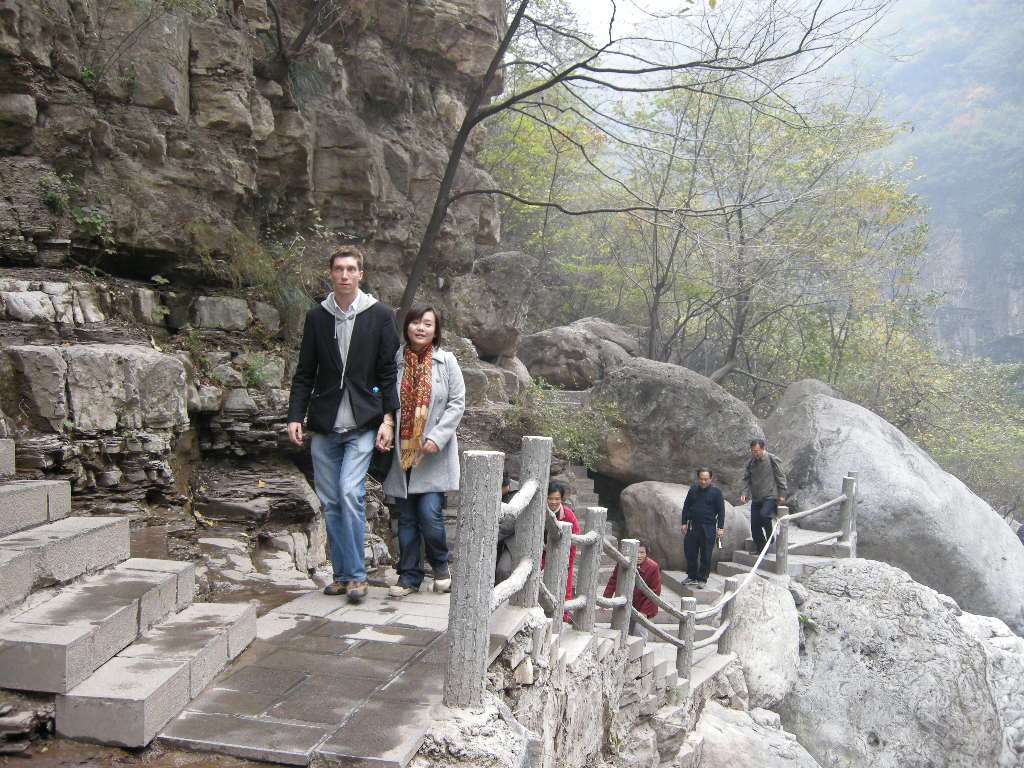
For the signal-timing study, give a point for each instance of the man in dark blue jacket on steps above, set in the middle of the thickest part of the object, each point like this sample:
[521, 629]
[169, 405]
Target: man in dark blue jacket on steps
[703, 524]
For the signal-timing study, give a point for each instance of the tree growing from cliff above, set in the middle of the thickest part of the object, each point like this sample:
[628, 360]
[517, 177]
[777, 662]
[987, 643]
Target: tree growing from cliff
[552, 56]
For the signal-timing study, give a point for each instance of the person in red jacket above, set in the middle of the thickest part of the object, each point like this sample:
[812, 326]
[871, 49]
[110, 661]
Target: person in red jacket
[564, 514]
[650, 572]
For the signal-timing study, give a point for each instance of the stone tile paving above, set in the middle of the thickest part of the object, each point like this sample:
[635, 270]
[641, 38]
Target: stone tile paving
[327, 681]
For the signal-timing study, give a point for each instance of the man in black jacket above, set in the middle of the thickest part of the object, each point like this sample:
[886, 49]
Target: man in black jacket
[344, 386]
[703, 524]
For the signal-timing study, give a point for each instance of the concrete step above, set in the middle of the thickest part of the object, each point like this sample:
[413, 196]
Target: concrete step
[55, 645]
[675, 580]
[28, 503]
[6, 458]
[798, 565]
[65, 549]
[798, 536]
[130, 698]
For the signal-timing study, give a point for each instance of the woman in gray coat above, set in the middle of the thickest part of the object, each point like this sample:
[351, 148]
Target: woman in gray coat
[425, 462]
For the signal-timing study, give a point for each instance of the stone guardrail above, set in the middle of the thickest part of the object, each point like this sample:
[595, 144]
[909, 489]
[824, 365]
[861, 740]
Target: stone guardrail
[845, 545]
[475, 597]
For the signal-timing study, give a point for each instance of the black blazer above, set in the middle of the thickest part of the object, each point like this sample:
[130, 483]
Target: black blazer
[317, 385]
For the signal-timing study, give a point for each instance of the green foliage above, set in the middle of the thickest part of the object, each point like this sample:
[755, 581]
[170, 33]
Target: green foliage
[95, 223]
[578, 433]
[254, 370]
[57, 191]
[193, 343]
[808, 624]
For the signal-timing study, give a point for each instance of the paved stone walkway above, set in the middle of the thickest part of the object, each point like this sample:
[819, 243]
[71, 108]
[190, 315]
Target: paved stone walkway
[346, 685]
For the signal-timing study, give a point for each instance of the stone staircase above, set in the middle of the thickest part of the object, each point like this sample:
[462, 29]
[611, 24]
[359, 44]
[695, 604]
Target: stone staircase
[117, 639]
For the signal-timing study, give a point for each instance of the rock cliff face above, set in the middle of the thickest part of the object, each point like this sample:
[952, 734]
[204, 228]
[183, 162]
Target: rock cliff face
[148, 137]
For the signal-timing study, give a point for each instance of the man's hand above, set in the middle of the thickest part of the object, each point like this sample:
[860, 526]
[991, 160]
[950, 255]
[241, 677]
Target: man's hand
[685, 528]
[720, 533]
[743, 499]
[429, 446]
[782, 499]
[295, 432]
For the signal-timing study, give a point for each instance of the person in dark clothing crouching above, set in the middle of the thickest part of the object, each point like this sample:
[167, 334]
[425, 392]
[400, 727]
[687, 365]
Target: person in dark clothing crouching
[703, 523]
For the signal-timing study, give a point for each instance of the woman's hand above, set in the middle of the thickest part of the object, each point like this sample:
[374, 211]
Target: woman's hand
[429, 446]
[385, 437]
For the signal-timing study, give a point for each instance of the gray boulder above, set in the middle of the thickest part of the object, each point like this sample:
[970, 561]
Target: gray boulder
[911, 513]
[1004, 657]
[738, 740]
[888, 677]
[576, 356]
[652, 512]
[672, 421]
[489, 304]
[765, 636]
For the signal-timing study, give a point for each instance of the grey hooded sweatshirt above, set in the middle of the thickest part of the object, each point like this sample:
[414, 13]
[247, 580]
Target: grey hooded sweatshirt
[343, 322]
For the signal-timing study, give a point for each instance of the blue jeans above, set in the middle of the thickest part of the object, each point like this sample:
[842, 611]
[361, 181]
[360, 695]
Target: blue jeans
[420, 518]
[340, 461]
[762, 513]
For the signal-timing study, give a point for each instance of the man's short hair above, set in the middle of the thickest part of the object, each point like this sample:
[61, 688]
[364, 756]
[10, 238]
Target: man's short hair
[414, 314]
[346, 252]
[758, 442]
[705, 469]
[554, 487]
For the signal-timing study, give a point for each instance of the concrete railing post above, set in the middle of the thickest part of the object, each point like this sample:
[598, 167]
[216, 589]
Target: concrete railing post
[473, 578]
[590, 568]
[846, 516]
[687, 627]
[853, 512]
[782, 544]
[625, 583]
[535, 464]
[556, 571]
[728, 612]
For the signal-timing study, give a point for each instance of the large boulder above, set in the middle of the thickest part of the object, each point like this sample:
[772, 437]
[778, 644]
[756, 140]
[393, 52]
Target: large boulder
[765, 636]
[490, 302]
[576, 356]
[1004, 657]
[671, 421]
[911, 513]
[888, 676]
[747, 740]
[652, 512]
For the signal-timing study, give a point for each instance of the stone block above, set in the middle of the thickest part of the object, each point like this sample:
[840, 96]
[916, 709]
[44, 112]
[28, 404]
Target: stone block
[6, 458]
[50, 658]
[67, 548]
[237, 620]
[635, 646]
[647, 662]
[15, 577]
[382, 733]
[185, 574]
[22, 505]
[125, 702]
[204, 650]
[221, 312]
[248, 738]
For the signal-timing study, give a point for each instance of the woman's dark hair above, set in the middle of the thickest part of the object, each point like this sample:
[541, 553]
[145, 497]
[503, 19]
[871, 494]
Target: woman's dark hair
[758, 442]
[414, 314]
[643, 543]
[554, 487]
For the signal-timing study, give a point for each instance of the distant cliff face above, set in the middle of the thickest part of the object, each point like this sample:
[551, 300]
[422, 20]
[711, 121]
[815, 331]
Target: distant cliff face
[152, 136]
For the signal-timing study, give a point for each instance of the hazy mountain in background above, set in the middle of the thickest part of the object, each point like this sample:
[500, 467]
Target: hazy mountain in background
[959, 80]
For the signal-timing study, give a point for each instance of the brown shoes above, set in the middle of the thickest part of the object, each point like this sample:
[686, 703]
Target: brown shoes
[356, 591]
[337, 588]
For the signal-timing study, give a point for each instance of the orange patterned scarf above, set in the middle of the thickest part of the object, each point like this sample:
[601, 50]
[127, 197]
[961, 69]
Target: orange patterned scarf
[415, 397]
